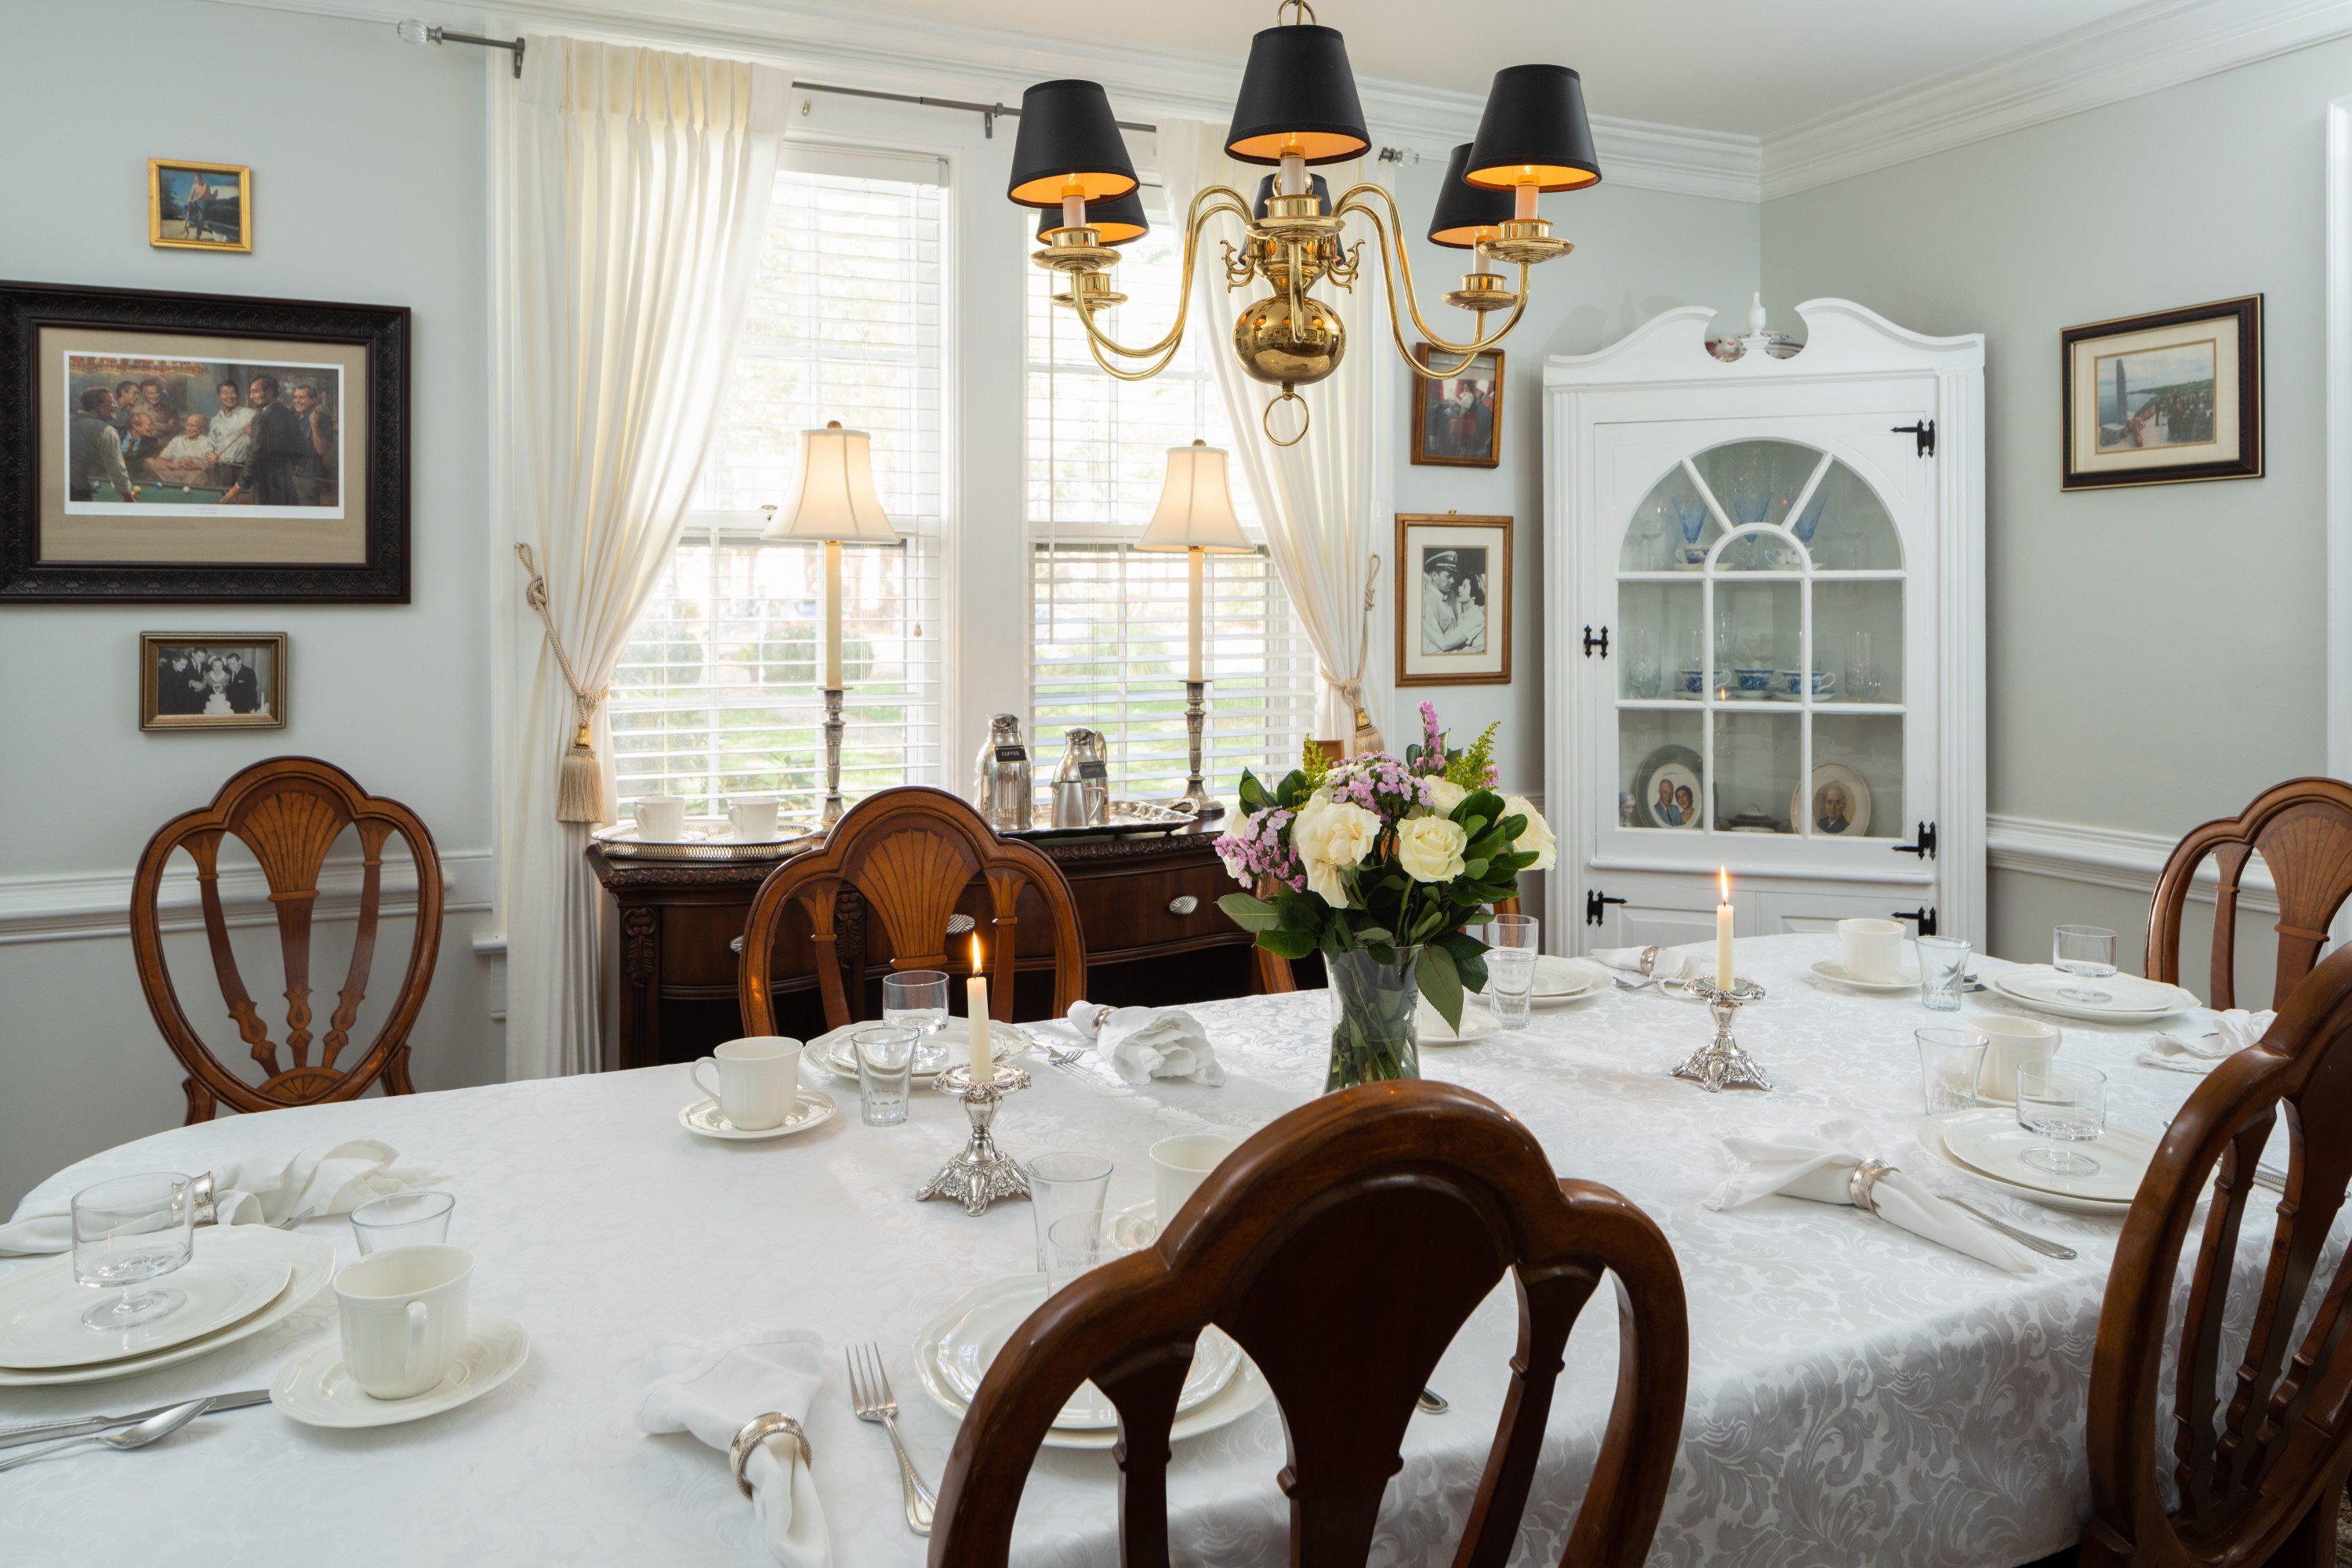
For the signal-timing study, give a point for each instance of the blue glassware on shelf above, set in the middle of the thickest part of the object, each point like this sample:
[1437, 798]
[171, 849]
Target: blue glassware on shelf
[1690, 516]
[1809, 519]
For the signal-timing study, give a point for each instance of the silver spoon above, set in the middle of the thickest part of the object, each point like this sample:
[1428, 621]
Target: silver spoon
[148, 1431]
[1429, 1399]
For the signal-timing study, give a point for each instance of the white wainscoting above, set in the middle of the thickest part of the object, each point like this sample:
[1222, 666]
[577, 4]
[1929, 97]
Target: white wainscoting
[98, 903]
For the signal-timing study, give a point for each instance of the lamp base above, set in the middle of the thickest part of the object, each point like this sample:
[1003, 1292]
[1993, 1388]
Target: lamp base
[833, 731]
[1196, 798]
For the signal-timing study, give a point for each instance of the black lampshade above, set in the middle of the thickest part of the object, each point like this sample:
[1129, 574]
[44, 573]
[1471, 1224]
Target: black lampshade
[1115, 221]
[1067, 132]
[1534, 122]
[1463, 209]
[1298, 85]
[1316, 183]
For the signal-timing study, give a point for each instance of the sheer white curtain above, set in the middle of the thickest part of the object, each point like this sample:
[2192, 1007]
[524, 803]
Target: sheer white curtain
[1322, 500]
[635, 187]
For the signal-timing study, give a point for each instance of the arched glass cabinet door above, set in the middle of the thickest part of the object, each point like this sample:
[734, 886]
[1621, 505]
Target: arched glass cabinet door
[1760, 689]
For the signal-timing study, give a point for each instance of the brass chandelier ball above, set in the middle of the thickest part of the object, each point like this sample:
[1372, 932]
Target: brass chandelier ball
[1288, 346]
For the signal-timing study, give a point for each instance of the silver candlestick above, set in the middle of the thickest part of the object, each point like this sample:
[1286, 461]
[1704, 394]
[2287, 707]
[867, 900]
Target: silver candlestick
[833, 728]
[1720, 1064]
[981, 1174]
[1196, 798]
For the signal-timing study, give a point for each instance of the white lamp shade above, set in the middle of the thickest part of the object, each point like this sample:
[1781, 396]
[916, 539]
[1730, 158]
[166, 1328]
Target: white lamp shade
[834, 498]
[1196, 505]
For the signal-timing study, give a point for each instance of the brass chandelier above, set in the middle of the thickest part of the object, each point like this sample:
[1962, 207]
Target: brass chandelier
[1298, 107]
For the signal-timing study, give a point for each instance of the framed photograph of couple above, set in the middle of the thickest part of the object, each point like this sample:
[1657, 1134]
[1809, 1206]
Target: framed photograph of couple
[1457, 419]
[2163, 398]
[1454, 600]
[199, 206]
[201, 446]
[212, 680]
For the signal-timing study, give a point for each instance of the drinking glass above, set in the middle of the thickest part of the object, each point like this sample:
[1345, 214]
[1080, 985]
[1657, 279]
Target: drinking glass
[1511, 942]
[402, 1219]
[127, 1232]
[1950, 1061]
[2088, 952]
[1943, 961]
[1862, 682]
[1077, 1242]
[1642, 666]
[1065, 1183]
[886, 1062]
[917, 1000]
[2066, 1105]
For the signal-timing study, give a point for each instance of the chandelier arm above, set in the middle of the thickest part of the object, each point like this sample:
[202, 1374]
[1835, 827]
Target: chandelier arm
[1144, 374]
[1207, 203]
[1397, 264]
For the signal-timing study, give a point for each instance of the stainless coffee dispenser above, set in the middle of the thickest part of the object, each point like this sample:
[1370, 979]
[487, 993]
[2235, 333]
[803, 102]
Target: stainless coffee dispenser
[1000, 785]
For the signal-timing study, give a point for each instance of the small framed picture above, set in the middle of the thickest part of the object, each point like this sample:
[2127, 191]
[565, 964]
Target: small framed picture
[2163, 398]
[1454, 600]
[1458, 419]
[199, 206]
[212, 680]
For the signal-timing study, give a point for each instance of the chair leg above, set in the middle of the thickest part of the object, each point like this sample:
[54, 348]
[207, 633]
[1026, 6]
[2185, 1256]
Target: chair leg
[200, 1102]
[396, 1074]
[2312, 1542]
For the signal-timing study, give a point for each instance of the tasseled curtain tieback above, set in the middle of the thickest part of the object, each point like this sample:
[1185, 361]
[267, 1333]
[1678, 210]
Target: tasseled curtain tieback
[578, 782]
[1367, 734]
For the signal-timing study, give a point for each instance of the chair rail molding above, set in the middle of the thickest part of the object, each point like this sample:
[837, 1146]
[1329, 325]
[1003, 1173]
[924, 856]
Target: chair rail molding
[98, 903]
[2109, 857]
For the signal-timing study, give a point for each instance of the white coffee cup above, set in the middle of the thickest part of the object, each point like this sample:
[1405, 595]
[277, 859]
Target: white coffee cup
[759, 1080]
[2011, 1042]
[404, 1318]
[1179, 1166]
[661, 818]
[754, 818]
[1873, 950]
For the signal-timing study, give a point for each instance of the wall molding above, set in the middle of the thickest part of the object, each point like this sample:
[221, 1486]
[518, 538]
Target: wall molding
[2339, 437]
[98, 903]
[2109, 857]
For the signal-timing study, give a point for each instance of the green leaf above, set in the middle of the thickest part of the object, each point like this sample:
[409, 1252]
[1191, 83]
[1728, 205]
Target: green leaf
[1295, 911]
[1474, 870]
[1441, 983]
[1381, 952]
[1247, 912]
[1287, 944]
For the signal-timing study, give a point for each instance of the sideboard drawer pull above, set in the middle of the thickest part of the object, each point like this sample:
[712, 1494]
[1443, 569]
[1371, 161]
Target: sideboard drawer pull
[1183, 904]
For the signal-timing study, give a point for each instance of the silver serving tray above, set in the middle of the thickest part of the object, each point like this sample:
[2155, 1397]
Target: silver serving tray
[710, 839]
[1129, 819]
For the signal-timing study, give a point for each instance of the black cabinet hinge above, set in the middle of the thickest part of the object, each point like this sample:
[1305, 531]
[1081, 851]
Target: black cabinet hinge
[1924, 432]
[1924, 915]
[1923, 845]
[1600, 642]
[1595, 902]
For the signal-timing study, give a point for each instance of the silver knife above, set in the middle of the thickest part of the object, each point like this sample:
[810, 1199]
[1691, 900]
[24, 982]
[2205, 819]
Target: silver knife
[44, 1431]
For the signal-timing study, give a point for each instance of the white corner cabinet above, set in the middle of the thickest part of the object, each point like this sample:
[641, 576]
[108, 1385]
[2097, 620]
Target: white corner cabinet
[1764, 630]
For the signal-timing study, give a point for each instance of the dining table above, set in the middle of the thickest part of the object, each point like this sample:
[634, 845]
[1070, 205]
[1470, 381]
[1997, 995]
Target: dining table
[1857, 1395]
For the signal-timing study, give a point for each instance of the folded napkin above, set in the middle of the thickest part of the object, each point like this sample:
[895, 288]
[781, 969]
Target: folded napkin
[1145, 1042]
[1671, 964]
[261, 1189]
[1816, 1164]
[714, 1388]
[2233, 1031]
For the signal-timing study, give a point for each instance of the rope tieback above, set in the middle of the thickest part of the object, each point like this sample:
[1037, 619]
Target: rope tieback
[578, 782]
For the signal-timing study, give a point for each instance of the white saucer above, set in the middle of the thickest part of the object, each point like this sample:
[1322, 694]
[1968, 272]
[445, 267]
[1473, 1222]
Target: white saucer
[705, 1116]
[1992, 1142]
[1832, 971]
[2136, 1000]
[1561, 981]
[224, 1280]
[1477, 1024]
[831, 1050]
[1930, 1132]
[314, 1389]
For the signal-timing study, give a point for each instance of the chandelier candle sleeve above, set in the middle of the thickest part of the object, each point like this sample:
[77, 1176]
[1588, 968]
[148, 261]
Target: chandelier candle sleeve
[975, 994]
[1722, 931]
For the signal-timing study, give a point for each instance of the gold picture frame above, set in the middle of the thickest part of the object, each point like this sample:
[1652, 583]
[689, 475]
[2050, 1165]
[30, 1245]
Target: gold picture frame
[212, 680]
[197, 204]
[1452, 600]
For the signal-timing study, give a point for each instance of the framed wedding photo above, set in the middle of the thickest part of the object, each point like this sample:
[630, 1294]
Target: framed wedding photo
[201, 446]
[199, 206]
[2165, 398]
[1457, 419]
[212, 680]
[1454, 600]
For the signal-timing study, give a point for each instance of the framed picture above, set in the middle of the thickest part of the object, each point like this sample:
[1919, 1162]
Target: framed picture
[1458, 419]
[1666, 791]
[201, 446]
[1454, 600]
[1840, 804]
[212, 680]
[2165, 398]
[199, 206]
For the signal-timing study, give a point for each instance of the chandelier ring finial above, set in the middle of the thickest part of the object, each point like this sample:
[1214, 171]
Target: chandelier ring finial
[1306, 417]
[1305, 12]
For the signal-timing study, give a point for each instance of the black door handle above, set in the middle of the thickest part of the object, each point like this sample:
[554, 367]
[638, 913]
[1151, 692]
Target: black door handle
[1924, 915]
[1595, 902]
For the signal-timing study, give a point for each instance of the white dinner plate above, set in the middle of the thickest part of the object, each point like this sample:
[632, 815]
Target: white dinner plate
[704, 1116]
[1559, 980]
[1831, 970]
[41, 1306]
[1477, 1024]
[832, 1050]
[310, 1260]
[315, 1389]
[1992, 1141]
[2136, 1000]
[1930, 1131]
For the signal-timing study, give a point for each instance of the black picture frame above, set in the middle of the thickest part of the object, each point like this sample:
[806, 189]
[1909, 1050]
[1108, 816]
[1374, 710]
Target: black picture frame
[381, 332]
[2232, 424]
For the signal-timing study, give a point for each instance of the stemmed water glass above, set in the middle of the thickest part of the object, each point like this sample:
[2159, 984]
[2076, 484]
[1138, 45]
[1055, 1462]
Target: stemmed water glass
[127, 1232]
[2066, 1105]
[1642, 667]
[917, 999]
[2087, 951]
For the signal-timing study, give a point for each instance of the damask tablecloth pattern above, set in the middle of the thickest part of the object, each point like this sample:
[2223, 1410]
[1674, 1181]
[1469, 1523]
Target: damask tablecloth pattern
[1856, 1395]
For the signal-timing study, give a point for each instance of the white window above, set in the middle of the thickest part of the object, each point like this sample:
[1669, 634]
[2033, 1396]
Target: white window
[717, 694]
[1108, 632]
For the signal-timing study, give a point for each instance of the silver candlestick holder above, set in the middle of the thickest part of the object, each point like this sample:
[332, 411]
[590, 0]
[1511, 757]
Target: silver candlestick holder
[1720, 1064]
[981, 1174]
[1196, 798]
[833, 729]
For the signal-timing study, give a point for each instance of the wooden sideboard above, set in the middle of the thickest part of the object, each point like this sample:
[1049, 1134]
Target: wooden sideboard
[1148, 907]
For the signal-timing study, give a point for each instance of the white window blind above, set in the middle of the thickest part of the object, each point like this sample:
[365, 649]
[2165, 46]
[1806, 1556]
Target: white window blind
[717, 694]
[1108, 633]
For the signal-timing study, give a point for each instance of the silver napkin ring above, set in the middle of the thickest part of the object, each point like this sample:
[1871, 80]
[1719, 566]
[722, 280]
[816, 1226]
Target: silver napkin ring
[1649, 958]
[1860, 1182]
[756, 1431]
[205, 1211]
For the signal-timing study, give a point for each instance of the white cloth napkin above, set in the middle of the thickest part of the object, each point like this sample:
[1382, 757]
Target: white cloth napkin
[714, 1387]
[261, 1189]
[1672, 964]
[1145, 1042]
[1816, 1164]
[2233, 1031]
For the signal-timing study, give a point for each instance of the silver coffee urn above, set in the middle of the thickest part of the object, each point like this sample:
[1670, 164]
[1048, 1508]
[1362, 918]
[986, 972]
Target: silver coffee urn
[1083, 778]
[1001, 786]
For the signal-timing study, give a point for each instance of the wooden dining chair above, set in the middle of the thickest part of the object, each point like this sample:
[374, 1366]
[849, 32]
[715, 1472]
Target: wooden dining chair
[289, 811]
[910, 854]
[1342, 1247]
[2257, 1468]
[2304, 829]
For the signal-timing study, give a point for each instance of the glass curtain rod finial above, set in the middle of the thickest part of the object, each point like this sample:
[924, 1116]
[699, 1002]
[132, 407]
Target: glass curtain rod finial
[413, 31]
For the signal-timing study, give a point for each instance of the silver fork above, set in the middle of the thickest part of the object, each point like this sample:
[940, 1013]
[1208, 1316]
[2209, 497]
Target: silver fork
[2025, 1238]
[870, 1397]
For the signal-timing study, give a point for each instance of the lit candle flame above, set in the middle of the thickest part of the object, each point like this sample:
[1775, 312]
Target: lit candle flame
[1723, 882]
[975, 953]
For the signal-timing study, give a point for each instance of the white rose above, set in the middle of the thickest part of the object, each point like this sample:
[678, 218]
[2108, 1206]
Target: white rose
[1535, 836]
[1444, 794]
[1429, 848]
[1328, 835]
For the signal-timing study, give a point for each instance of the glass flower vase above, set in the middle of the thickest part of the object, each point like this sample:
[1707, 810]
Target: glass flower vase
[1373, 1032]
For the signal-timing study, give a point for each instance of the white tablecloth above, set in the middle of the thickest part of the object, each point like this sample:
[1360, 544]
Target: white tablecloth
[1856, 1395]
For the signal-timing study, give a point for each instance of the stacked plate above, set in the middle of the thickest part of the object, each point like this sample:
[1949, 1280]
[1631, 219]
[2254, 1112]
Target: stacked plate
[833, 1049]
[239, 1280]
[1561, 981]
[2127, 999]
[1989, 1144]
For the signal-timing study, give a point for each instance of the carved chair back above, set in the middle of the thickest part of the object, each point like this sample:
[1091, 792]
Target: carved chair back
[909, 854]
[2257, 1468]
[1342, 1247]
[2304, 829]
[289, 811]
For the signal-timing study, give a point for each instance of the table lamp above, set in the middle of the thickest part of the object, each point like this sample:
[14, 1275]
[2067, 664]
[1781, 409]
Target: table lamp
[1196, 515]
[833, 501]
